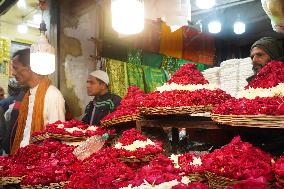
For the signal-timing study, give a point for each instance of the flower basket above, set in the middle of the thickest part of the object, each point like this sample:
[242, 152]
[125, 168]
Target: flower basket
[50, 186]
[262, 121]
[134, 159]
[67, 138]
[197, 177]
[219, 182]
[10, 180]
[122, 119]
[182, 110]
[39, 137]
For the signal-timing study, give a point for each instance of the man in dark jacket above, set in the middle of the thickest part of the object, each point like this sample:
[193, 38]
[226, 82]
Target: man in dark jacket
[263, 51]
[103, 102]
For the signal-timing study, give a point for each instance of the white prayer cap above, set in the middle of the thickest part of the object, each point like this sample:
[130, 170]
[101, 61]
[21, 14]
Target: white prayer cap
[101, 75]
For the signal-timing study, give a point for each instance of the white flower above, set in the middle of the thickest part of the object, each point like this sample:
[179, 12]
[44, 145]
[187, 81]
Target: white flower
[174, 158]
[136, 144]
[196, 161]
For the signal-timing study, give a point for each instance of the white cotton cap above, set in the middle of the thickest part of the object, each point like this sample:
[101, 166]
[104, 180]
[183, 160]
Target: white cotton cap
[101, 75]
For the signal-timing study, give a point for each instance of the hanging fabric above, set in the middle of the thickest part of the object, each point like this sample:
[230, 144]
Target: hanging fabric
[135, 76]
[117, 73]
[198, 47]
[171, 42]
[152, 59]
[135, 56]
[170, 64]
[153, 77]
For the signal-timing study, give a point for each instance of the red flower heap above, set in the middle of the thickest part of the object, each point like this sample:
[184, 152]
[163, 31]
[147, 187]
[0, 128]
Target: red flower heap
[129, 145]
[48, 162]
[243, 106]
[159, 170]
[278, 169]
[188, 74]
[74, 128]
[269, 76]
[178, 98]
[190, 163]
[239, 160]
[101, 170]
[129, 104]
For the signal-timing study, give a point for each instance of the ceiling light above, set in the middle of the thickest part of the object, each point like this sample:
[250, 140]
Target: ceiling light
[37, 18]
[22, 28]
[205, 4]
[214, 27]
[127, 16]
[239, 27]
[22, 4]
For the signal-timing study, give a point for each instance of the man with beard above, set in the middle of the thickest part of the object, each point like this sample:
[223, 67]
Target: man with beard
[263, 51]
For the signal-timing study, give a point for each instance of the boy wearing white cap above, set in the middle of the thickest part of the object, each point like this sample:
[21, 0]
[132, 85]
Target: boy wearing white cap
[103, 102]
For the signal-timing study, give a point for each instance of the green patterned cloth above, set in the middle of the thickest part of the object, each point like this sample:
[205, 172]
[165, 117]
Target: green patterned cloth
[117, 73]
[154, 77]
[135, 76]
[135, 56]
[152, 59]
[170, 64]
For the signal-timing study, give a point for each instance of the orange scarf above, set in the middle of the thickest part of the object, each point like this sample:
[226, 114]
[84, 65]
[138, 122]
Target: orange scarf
[37, 117]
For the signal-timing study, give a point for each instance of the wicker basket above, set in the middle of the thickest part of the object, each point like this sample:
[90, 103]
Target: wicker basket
[197, 177]
[40, 137]
[182, 110]
[219, 182]
[119, 120]
[134, 159]
[67, 138]
[50, 186]
[10, 180]
[262, 121]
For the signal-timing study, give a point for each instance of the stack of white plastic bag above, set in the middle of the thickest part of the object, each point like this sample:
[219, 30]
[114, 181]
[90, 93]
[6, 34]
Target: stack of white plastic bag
[212, 75]
[245, 71]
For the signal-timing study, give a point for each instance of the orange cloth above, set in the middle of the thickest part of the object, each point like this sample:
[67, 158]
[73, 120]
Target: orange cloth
[37, 117]
[198, 47]
[171, 43]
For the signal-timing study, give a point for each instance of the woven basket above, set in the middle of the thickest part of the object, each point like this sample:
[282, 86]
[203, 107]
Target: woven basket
[261, 121]
[219, 182]
[182, 110]
[122, 119]
[197, 177]
[134, 159]
[50, 186]
[38, 138]
[10, 180]
[67, 138]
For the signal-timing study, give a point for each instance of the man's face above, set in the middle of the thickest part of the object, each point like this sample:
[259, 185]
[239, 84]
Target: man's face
[259, 58]
[20, 72]
[94, 87]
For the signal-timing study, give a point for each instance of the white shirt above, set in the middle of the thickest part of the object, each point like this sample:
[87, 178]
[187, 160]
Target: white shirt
[54, 110]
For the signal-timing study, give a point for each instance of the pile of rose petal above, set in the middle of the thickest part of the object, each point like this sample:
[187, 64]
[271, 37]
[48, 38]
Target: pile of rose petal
[188, 74]
[74, 128]
[133, 144]
[101, 170]
[278, 169]
[257, 106]
[45, 163]
[240, 160]
[269, 76]
[129, 105]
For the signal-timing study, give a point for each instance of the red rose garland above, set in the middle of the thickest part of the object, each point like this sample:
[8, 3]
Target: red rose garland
[129, 105]
[269, 76]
